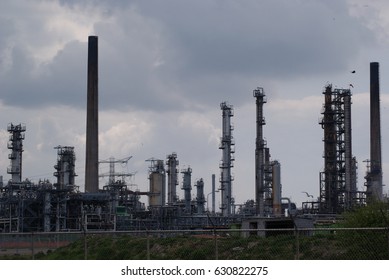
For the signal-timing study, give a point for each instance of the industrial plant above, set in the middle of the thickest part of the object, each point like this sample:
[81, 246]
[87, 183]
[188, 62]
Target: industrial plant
[60, 206]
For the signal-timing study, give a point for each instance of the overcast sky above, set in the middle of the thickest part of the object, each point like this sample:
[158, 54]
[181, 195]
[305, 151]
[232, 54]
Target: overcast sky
[165, 67]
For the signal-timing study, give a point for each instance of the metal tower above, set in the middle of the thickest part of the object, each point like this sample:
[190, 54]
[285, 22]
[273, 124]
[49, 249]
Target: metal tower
[65, 167]
[338, 180]
[112, 174]
[172, 173]
[226, 145]
[213, 194]
[15, 144]
[260, 147]
[187, 187]
[267, 176]
[200, 199]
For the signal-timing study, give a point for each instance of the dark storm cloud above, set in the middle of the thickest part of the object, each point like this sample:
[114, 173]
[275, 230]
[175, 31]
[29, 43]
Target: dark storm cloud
[284, 38]
[211, 49]
[59, 82]
[161, 55]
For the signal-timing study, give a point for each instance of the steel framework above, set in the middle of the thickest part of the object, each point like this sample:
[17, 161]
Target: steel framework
[338, 190]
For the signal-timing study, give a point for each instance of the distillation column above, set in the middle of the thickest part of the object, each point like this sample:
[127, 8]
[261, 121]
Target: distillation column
[65, 167]
[65, 174]
[157, 177]
[92, 130]
[260, 146]
[374, 177]
[338, 180]
[200, 199]
[328, 179]
[267, 182]
[226, 164]
[350, 182]
[213, 193]
[187, 187]
[15, 144]
[276, 188]
[172, 178]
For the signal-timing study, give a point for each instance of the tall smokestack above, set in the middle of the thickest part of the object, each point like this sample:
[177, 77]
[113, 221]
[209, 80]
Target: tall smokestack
[375, 184]
[92, 130]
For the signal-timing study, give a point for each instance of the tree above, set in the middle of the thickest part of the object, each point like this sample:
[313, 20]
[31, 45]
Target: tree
[372, 215]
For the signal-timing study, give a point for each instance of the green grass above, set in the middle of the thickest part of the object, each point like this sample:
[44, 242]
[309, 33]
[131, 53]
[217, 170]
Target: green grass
[333, 246]
[283, 247]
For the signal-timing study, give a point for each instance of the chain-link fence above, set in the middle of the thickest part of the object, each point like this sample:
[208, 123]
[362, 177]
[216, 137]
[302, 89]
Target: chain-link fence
[276, 244]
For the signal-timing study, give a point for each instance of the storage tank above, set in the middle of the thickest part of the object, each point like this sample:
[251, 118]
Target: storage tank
[157, 179]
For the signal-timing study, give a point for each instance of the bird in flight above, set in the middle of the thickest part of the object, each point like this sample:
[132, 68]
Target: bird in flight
[309, 195]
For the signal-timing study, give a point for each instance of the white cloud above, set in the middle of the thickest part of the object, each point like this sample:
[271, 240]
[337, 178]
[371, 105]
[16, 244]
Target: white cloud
[374, 14]
[43, 28]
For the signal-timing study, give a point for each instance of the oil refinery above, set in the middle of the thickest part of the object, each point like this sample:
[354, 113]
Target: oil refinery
[60, 206]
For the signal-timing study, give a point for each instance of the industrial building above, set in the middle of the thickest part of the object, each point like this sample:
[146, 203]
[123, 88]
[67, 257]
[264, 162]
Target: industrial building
[45, 206]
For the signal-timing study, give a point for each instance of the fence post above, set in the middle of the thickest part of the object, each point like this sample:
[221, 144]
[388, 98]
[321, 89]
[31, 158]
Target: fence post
[148, 245]
[297, 253]
[17, 242]
[85, 246]
[216, 245]
[32, 246]
[387, 233]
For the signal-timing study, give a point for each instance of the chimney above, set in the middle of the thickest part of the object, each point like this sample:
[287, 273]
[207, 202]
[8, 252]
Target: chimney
[92, 130]
[375, 191]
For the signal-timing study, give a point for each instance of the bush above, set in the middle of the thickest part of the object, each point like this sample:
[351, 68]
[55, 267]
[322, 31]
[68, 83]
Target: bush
[373, 215]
